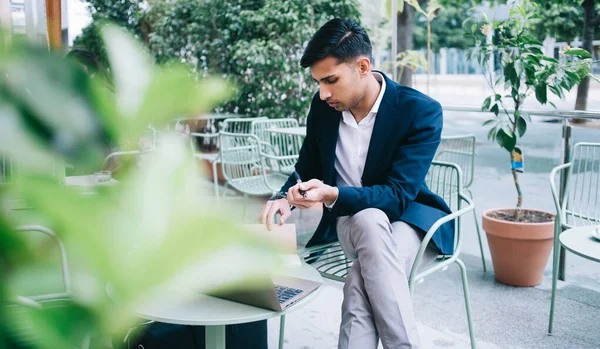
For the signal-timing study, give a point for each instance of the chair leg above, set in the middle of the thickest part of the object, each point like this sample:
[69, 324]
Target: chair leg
[281, 331]
[245, 207]
[216, 182]
[468, 191]
[555, 260]
[463, 273]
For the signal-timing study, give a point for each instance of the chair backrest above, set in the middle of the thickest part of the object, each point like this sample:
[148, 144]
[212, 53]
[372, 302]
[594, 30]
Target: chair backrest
[260, 127]
[63, 254]
[459, 150]
[239, 125]
[240, 156]
[286, 147]
[581, 198]
[445, 179]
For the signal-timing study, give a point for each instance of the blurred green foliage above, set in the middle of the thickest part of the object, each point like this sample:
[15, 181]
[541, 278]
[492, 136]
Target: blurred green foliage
[254, 44]
[446, 30]
[156, 227]
[561, 19]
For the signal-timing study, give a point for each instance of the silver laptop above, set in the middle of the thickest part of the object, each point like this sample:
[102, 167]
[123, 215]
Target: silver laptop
[273, 292]
[277, 293]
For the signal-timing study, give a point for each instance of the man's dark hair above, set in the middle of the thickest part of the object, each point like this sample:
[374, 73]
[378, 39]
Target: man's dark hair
[340, 38]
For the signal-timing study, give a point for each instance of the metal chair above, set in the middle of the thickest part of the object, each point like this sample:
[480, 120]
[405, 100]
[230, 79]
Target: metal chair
[578, 204]
[24, 332]
[243, 165]
[460, 150]
[239, 125]
[444, 179]
[282, 148]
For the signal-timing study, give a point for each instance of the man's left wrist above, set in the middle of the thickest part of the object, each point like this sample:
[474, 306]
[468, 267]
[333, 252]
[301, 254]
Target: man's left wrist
[331, 196]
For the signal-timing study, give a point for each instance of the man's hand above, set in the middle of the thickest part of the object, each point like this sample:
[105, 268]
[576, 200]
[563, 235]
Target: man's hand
[314, 191]
[271, 208]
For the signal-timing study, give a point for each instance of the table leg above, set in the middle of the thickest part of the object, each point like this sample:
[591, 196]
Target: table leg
[215, 337]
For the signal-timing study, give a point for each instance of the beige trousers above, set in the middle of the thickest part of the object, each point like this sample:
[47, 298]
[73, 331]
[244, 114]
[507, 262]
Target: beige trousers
[377, 303]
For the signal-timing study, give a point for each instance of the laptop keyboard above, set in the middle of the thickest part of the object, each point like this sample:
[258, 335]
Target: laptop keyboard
[286, 293]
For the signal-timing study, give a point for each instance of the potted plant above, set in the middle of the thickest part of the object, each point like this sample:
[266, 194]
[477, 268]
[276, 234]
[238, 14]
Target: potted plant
[520, 239]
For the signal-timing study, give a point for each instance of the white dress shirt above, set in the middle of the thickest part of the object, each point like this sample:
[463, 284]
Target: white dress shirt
[353, 143]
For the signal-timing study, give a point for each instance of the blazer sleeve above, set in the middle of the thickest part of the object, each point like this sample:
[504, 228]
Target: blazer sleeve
[406, 174]
[308, 165]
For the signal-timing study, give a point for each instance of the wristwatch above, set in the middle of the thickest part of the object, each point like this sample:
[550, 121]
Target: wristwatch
[277, 196]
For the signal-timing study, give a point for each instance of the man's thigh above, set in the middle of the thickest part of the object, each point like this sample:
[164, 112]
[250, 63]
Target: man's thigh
[407, 240]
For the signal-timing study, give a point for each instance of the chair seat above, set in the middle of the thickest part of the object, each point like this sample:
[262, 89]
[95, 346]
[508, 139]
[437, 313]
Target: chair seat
[329, 259]
[255, 185]
[210, 157]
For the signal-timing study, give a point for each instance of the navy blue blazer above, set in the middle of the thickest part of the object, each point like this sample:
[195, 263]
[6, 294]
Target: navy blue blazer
[405, 137]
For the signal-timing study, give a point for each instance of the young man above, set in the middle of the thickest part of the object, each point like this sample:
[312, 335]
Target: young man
[368, 147]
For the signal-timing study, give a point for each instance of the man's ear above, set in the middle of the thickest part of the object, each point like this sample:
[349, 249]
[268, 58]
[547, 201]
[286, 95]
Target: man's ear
[364, 66]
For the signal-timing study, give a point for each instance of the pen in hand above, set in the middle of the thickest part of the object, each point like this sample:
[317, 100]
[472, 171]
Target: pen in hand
[298, 180]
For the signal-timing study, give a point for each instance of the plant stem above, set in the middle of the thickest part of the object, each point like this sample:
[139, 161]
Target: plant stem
[514, 171]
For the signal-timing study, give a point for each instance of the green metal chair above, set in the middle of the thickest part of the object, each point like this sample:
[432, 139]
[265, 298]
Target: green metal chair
[579, 203]
[282, 148]
[240, 125]
[244, 169]
[22, 331]
[444, 179]
[460, 150]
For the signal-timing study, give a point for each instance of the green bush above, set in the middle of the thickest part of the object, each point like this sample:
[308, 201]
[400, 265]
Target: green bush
[255, 44]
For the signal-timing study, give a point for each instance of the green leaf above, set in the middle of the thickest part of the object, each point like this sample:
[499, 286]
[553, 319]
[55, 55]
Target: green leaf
[486, 103]
[473, 28]
[548, 59]
[495, 109]
[521, 126]
[575, 79]
[581, 53]
[131, 65]
[489, 122]
[541, 92]
[505, 140]
[492, 134]
[525, 116]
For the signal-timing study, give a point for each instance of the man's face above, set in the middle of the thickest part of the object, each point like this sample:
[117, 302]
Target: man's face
[340, 85]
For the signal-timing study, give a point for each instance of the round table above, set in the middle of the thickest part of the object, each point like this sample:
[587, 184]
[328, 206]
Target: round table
[580, 242]
[216, 313]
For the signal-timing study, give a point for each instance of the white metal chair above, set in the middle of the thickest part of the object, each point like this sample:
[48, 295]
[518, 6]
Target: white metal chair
[282, 148]
[460, 150]
[444, 179]
[243, 165]
[578, 204]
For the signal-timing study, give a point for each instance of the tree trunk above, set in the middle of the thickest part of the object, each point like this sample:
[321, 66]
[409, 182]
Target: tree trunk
[405, 38]
[589, 24]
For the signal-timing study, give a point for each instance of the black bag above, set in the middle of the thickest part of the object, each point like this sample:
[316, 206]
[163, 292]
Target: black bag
[157, 335]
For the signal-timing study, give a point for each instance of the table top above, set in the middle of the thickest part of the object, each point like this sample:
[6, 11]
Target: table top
[296, 131]
[213, 116]
[87, 181]
[205, 310]
[580, 242]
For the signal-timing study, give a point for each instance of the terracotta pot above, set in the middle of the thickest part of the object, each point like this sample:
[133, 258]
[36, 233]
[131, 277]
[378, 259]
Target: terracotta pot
[520, 251]
[207, 169]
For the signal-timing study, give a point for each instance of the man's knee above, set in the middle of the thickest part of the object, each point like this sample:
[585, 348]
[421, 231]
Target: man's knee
[370, 222]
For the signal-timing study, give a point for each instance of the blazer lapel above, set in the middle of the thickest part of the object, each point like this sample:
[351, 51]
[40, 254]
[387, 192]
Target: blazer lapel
[328, 140]
[381, 131]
